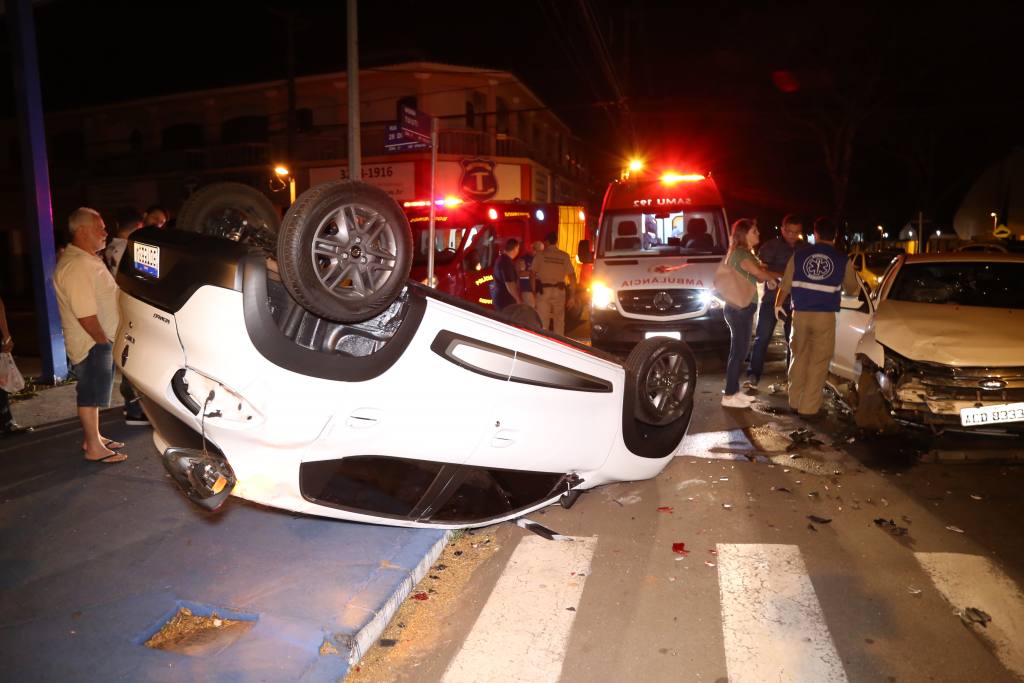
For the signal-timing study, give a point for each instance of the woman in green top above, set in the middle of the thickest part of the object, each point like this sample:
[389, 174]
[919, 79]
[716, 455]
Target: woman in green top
[741, 320]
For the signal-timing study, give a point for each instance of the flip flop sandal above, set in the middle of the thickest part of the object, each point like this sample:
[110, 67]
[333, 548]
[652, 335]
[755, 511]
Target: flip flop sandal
[111, 444]
[109, 459]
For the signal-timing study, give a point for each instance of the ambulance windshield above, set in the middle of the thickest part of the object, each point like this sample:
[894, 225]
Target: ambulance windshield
[447, 240]
[688, 232]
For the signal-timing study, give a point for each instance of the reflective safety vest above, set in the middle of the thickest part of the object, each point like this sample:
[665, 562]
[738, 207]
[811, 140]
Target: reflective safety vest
[818, 272]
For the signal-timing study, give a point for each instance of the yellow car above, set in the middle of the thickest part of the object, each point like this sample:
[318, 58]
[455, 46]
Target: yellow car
[871, 266]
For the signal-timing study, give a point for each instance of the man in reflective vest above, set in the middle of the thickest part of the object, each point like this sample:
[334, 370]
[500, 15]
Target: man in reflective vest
[816, 275]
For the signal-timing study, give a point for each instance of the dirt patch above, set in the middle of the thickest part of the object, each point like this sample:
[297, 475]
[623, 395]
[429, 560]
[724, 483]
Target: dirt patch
[417, 626]
[190, 634]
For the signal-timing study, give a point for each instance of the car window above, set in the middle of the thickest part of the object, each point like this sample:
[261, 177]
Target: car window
[966, 283]
[878, 261]
[690, 231]
[447, 241]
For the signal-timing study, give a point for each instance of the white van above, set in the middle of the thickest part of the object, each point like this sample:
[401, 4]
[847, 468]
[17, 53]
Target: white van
[659, 240]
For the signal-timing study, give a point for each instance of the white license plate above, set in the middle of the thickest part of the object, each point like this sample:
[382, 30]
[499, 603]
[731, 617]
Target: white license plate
[670, 333]
[147, 259]
[987, 415]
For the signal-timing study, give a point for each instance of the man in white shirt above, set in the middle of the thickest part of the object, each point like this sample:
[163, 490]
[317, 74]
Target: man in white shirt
[87, 299]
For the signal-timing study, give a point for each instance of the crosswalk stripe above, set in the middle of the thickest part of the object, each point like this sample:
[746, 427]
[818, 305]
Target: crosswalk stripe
[975, 581]
[523, 630]
[772, 623]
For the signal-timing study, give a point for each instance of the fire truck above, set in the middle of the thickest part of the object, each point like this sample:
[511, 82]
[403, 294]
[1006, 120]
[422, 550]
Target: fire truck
[468, 237]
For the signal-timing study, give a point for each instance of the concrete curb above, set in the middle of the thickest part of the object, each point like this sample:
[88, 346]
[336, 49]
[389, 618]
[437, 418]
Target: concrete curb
[366, 636]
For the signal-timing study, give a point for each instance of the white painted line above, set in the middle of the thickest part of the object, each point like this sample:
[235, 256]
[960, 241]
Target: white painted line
[523, 631]
[975, 581]
[772, 622]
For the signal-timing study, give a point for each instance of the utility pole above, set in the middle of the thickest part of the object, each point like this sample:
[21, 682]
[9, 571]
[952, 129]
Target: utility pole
[290, 62]
[355, 163]
[36, 174]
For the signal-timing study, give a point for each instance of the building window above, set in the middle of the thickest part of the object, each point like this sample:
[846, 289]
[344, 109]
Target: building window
[182, 136]
[501, 118]
[244, 129]
[470, 115]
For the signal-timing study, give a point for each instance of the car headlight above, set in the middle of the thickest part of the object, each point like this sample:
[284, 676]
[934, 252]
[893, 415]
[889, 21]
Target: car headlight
[601, 295]
[708, 299]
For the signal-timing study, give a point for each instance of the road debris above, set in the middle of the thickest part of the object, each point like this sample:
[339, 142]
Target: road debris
[781, 489]
[666, 508]
[680, 549]
[819, 520]
[975, 496]
[890, 526]
[914, 591]
[422, 595]
[955, 529]
[811, 527]
[973, 615]
[540, 530]
[727, 506]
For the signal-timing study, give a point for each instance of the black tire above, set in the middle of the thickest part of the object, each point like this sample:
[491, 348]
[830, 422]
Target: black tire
[661, 376]
[349, 270]
[233, 211]
[522, 315]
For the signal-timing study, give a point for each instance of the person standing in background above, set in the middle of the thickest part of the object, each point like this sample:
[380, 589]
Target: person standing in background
[740, 319]
[816, 275]
[8, 427]
[505, 279]
[87, 299]
[774, 254]
[551, 268]
[155, 216]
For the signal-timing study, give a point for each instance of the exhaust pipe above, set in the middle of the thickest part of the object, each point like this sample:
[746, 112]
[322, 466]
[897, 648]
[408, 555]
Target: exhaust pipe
[206, 478]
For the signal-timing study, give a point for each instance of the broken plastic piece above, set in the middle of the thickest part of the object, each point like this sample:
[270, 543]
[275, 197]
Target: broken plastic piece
[540, 530]
[420, 596]
[680, 549]
[666, 508]
[973, 615]
[914, 591]
[819, 520]
[955, 529]
[890, 526]
[811, 527]
[727, 506]
[709, 564]
[975, 496]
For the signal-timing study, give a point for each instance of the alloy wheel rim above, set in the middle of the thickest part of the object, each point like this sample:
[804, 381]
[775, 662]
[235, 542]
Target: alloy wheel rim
[354, 252]
[667, 385]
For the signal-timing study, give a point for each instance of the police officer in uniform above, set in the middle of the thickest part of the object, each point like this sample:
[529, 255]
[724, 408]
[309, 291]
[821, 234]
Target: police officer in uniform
[550, 268]
[816, 275]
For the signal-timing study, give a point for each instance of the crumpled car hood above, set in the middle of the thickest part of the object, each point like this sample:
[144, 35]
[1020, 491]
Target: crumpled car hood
[967, 336]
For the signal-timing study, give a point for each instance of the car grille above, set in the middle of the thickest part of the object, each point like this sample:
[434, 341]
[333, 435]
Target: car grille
[670, 301]
[943, 382]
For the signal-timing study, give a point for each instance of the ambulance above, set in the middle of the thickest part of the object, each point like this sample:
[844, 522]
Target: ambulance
[661, 235]
[469, 235]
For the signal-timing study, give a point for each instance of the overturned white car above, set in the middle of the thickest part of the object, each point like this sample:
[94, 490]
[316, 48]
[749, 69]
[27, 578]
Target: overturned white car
[320, 380]
[940, 343]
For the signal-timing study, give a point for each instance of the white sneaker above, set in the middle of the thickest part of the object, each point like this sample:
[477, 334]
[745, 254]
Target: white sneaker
[737, 400]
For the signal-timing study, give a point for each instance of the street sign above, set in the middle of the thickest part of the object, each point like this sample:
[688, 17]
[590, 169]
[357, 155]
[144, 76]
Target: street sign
[396, 141]
[414, 124]
[1002, 232]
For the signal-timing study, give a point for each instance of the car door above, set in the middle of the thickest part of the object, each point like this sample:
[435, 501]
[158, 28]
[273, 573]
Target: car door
[854, 314]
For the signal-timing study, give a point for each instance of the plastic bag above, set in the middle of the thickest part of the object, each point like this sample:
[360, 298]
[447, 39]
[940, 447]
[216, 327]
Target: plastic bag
[11, 380]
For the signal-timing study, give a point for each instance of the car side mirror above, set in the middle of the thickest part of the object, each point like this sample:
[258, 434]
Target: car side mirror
[584, 253]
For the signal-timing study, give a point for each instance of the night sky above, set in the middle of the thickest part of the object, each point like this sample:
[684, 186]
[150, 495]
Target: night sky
[917, 104]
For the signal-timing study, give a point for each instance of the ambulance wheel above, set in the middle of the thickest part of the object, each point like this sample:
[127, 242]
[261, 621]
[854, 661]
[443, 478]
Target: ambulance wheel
[522, 315]
[345, 250]
[661, 376]
[232, 211]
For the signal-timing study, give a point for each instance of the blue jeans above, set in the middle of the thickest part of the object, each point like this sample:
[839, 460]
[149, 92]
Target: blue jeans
[95, 377]
[765, 329]
[741, 324]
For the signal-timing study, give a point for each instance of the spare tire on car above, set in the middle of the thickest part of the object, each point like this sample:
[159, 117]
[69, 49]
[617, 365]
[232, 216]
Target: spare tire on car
[345, 251]
[233, 211]
[661, 376]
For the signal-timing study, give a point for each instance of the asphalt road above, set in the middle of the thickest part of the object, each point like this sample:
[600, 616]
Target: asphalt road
[763, 592]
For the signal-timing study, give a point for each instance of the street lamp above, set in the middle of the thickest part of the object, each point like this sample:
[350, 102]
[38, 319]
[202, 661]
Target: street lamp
[282, 172]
